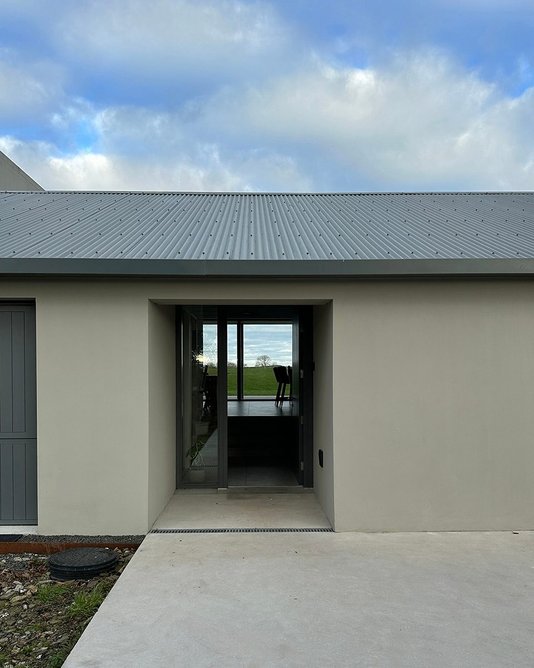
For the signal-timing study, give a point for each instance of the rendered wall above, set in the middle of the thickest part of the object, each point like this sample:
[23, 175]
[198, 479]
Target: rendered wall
[12, 177]
[432, 389]
[105, 394]
[162, 408]
[433, 406]
[323, 408]
[92, 408]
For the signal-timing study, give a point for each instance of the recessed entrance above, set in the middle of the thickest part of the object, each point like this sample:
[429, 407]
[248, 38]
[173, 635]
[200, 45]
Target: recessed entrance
[244, 396]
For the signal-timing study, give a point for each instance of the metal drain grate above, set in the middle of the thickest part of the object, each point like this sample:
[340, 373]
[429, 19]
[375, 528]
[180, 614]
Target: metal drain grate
[247, 530]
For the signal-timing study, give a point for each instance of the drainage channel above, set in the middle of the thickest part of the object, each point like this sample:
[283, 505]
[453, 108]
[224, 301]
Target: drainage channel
[248, 530]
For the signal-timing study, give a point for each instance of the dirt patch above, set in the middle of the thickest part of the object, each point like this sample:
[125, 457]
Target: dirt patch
[41, 619]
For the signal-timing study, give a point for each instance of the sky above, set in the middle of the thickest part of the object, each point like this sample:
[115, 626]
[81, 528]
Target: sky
[273, 340]
[287, 95]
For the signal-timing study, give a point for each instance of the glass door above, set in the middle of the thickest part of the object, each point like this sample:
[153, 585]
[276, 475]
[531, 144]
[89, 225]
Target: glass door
[203, 393]
[229, 353]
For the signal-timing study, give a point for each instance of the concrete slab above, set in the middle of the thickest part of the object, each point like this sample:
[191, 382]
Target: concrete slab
[23, 529]
[238, 509]
[327, 599]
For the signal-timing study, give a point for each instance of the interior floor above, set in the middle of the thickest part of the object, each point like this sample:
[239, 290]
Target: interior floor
[262, 444]
[255, 408]
[261, 476]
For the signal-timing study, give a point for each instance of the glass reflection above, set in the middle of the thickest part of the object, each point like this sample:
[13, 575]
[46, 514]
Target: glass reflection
[201, 434]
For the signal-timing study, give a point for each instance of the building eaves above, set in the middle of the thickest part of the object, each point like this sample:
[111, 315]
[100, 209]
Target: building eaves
[271, 269]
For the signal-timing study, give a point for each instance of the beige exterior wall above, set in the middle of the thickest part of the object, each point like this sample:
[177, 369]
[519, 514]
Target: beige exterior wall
[433, 406]
[12, 177]
[423, 404]
[162, 408]
[323, 398]
[105, 395]
[92, 410]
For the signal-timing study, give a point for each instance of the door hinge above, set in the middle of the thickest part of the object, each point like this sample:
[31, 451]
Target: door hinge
[302, 373]
[302, 419]
[302, 466]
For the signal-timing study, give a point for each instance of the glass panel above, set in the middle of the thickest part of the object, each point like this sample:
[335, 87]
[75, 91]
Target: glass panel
[201, 433]
[265, 346]
[232, 361]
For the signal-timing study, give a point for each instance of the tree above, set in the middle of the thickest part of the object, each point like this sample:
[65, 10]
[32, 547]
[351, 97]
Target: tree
[263, 360]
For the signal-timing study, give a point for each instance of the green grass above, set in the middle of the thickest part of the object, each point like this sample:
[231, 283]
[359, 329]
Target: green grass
[51, 593]
[86, 603]
[58, 658]
[258, 381]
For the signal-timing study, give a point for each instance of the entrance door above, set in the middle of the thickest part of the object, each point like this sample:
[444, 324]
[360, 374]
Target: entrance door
[226, 389]
[18, 421]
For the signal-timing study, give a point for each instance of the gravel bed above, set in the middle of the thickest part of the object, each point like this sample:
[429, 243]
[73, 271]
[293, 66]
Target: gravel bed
[41, 619]
[19, 562]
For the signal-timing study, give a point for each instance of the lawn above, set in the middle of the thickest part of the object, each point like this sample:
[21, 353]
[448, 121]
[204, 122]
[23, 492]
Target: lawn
[259, 381]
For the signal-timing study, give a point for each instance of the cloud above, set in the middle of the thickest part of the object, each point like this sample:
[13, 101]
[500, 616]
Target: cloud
[419, 121]
[159, 55]
[225, 95]
[88, 170]
[171, 30]
[134, 148]
[171, 48]
[487, 5]
[27, 91]
[206, 170]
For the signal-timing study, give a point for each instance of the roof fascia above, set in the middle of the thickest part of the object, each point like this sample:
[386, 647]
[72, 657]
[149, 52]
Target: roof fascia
[305, 269]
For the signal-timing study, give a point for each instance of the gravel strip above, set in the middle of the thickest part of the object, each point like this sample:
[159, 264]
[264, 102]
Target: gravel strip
[19, 562]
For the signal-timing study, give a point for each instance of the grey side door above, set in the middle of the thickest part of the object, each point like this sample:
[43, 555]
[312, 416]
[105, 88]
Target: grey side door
[18, 415]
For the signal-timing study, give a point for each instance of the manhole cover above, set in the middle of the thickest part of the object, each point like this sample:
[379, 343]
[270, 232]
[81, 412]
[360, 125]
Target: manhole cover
[81, 563]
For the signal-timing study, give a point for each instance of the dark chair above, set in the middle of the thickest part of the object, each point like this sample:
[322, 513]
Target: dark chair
[283, 379]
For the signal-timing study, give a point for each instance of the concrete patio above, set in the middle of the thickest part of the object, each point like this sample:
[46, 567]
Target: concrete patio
[318, 599]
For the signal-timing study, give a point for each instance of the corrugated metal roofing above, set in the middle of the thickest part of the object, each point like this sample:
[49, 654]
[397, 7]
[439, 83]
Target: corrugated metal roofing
[243, 226]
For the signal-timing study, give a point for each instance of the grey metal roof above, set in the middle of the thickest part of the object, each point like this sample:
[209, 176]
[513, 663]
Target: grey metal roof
[244, 233]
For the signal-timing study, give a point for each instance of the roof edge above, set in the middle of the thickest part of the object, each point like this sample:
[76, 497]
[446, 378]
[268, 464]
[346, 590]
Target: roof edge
[275, 269]
[303, 193]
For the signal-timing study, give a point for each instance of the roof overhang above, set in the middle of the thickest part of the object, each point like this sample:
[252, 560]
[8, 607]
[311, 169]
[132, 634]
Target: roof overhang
[268, 269]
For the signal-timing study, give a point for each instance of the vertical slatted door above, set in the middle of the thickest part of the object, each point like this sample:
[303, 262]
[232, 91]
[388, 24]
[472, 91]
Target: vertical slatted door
[18, 415]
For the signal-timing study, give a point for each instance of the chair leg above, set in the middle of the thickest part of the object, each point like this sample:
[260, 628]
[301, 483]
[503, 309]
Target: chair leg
[277, 400]
[283, 393]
